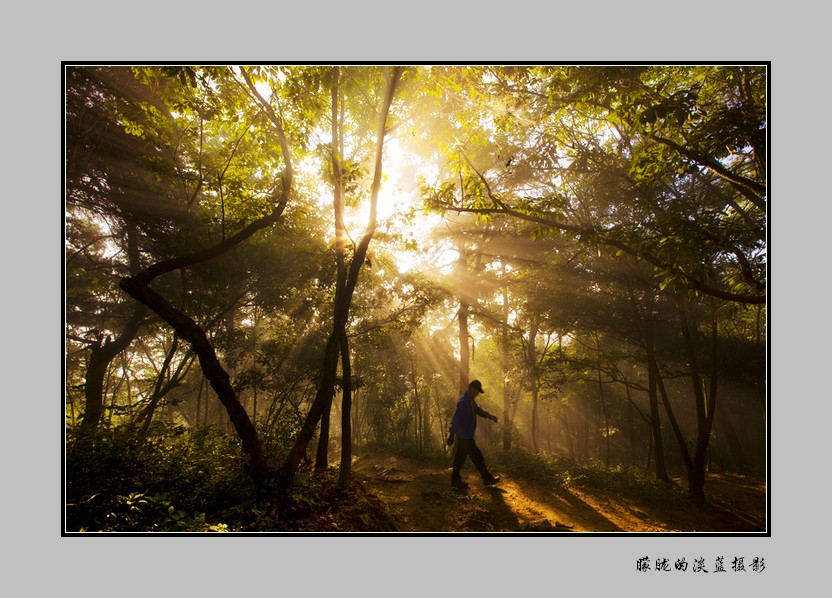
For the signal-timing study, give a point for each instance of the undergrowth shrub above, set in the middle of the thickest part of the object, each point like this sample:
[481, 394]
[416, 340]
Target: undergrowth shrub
[123, 480]
[176, 480]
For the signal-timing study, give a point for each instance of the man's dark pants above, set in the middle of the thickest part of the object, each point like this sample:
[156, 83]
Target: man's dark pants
[468, 448]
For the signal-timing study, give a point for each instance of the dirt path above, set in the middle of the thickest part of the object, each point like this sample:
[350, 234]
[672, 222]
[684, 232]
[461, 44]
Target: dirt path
[421, 498]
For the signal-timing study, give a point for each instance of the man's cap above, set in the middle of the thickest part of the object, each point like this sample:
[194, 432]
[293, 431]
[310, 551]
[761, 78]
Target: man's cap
[476, 384]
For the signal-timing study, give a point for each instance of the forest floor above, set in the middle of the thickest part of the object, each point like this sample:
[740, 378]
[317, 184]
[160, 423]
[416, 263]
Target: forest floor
[419, 497]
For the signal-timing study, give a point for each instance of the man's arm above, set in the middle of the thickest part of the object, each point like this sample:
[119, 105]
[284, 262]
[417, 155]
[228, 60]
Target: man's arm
[483, 413]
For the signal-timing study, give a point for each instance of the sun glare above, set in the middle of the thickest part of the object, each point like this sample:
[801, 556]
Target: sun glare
[415, 245]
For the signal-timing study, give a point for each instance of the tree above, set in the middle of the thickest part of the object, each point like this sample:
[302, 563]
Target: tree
[138, 286]
[347, 280]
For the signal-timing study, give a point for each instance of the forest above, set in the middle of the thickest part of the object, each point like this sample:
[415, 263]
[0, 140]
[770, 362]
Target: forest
[279, 279]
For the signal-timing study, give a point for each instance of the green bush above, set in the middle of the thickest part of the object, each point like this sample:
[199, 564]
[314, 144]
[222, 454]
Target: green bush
[175, 480]
[167, 480]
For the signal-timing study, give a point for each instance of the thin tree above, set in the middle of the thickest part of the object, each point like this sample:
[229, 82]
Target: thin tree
[347, 280]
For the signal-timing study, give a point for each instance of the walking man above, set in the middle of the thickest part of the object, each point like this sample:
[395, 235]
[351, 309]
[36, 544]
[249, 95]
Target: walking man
[463, 426]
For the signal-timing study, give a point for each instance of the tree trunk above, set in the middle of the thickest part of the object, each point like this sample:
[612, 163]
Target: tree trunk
[535, 397]
[419, 423]
[443, 421]
[322, 453]
[655, 424]
[104, 350]
[761, 380]
[507, 415]
[632, 433]
[603, 406]
[704, 409]
[345, 471]
[571, 439]
[101, 355]
[585, 418]
[321, 403]
[427, 439]
[534, 378]
[211, 367]
[645, 322]
[463, 346]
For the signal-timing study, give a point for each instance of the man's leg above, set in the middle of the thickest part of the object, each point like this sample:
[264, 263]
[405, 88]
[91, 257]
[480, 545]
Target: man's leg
[479, 462]
[460, 453]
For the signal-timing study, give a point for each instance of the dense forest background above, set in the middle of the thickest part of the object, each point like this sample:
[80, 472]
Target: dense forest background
[274, 270]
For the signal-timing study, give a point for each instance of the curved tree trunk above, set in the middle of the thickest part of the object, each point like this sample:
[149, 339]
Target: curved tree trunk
[211, 367]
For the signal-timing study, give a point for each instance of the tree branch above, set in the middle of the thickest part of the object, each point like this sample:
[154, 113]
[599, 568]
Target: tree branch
[361, 249]
[601, 239]
[751, 189]
[281, 134]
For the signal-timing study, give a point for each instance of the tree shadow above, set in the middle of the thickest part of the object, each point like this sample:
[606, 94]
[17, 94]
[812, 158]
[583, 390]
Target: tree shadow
[581, 513]
[577, 515]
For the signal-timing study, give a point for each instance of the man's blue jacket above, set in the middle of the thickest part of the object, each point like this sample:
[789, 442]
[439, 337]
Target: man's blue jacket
[464, 421]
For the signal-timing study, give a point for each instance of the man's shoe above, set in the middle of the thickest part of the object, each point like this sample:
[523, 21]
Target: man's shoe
[492, 480]
[459, 484]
